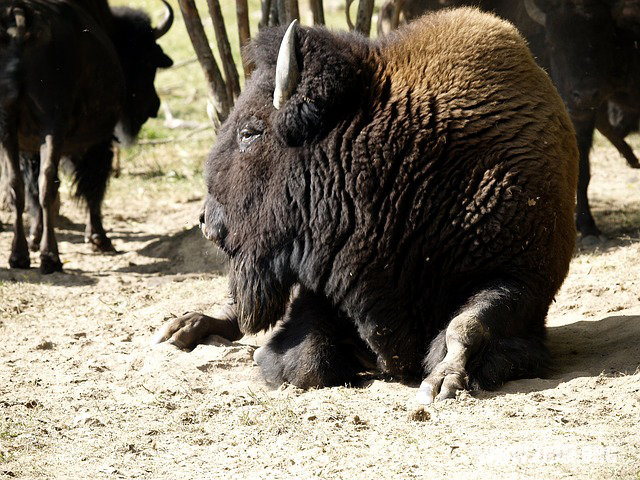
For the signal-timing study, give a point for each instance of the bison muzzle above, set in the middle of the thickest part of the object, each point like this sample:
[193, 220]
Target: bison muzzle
[406, 204]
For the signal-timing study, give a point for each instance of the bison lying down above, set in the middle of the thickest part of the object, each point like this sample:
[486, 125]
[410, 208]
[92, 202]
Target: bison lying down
[418, 189]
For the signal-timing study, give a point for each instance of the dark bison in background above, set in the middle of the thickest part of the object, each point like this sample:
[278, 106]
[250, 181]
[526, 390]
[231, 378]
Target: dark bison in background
[405, 203]
[590, 49]
[71, 73]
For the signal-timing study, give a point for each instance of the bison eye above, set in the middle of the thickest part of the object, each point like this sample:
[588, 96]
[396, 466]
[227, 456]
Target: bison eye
[246, 136]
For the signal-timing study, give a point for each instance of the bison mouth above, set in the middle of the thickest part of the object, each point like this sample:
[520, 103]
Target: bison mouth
[125, 134]
[214, 229]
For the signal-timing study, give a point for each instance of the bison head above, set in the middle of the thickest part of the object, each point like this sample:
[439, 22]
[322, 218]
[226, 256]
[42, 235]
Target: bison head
[140, 56]
[259, 188]
[581, 46]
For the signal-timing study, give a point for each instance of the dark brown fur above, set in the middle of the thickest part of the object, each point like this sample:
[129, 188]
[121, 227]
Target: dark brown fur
[415, 186]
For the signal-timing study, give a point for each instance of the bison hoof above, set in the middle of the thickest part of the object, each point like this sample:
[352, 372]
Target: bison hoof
[50, 263]
[18, 260]
[100, 243]
[258, 355]
[34, 244]
[188, 331]
[634, 164]
[441, 384]
[592, 240]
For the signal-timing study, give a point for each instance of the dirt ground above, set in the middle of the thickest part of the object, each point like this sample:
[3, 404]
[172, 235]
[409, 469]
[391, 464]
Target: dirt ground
[83, 395]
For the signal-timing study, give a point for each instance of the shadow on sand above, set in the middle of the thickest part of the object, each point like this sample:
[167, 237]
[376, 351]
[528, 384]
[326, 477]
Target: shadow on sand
[69, 277]
[184, 252]
[609, 347]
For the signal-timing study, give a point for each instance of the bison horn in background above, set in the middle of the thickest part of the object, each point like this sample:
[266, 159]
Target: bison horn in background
[535, 12]
[19, 30]
[164, 27]
[287, 72]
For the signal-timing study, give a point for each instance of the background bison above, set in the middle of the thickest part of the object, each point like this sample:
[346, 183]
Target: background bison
[71, 72]
[589, 47]
[419, 189]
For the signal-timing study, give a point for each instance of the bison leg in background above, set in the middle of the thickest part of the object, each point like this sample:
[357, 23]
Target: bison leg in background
[314, 347]
[584, 135]
[497, 336]
[19, 257]
[189, 330]
[92, 172]
[48, 191]
[616, 134]
[30, 165]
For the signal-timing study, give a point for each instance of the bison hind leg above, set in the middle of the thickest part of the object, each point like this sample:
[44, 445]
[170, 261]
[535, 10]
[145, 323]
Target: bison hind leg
[497, 336]
[92, 171]
[315, 346]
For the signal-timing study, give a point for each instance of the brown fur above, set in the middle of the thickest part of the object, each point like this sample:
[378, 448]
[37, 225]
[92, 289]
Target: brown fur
[420, 188]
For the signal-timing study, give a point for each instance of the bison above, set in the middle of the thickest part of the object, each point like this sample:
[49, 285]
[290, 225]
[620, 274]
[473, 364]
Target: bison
[72, 73]
[405, 204]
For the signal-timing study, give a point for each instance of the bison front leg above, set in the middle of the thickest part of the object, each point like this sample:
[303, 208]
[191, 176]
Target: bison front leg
[497, 336]
[48, 190]
[314, 347]
[19, 257]
[30, 165]
[189, 330]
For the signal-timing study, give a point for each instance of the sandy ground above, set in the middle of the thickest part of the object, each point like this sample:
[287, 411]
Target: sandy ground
[84, 396]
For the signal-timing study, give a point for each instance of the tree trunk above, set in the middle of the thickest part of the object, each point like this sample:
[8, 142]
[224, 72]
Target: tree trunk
[281, 10]
[244, 33]
[217, 88]
[266, 14]
[363, 20]
[318, 11]
[228, 63]
[293, 11]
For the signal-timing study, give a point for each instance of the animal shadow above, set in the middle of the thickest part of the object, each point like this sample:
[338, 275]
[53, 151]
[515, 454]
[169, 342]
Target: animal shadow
[181, 253]
[610, 347]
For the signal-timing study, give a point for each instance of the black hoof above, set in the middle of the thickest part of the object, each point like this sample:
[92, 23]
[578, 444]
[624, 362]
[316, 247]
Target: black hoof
[19, 261]
[34, 245]
[50, 264]
[100, 243]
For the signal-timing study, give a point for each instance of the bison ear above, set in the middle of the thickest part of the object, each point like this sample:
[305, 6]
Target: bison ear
[322, 74]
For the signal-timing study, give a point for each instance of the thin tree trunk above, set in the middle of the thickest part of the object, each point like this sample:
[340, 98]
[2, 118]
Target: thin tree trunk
[266, 14]
[293, 11]
[363, 20]
[217, 87]
[281, 9]
[318, 11]
[228, 63]
[397, 9]
[244, 33]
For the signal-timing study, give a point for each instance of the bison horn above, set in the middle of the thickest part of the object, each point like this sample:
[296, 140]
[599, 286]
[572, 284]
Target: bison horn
[287, 71]
[166, 23]
[535, 12]
[19, 30]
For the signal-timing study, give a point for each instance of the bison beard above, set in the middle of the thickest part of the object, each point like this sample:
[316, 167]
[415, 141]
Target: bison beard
[418, 190]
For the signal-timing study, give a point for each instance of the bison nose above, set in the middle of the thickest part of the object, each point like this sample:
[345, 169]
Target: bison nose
[585, 97]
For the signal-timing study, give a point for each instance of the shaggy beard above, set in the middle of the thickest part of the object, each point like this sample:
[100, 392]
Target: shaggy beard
[261, 290]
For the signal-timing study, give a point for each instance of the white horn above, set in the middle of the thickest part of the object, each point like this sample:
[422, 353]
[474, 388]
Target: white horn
[287, 71]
